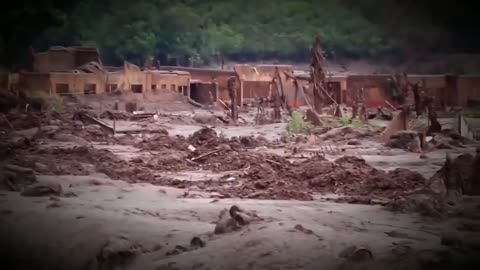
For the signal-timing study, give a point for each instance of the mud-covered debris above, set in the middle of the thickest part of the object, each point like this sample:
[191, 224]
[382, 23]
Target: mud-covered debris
[459, 176]
[226, 223]
[197, 242]
[168, 266]
[16, 178]
[233, 219]
[357, 258]
[406, 139]
[177, 250]
[354, 142]
[450, 239]
[205, 118]
[346, 133]
[302, 229]
[429, 204]
[361, 255]
[117, 252]
[42, 189]
[313, 118]
[203, 136]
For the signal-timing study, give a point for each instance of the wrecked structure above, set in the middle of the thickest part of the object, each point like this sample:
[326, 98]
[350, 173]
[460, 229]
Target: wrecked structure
[117, 177]
[69, 71]
[78, 70]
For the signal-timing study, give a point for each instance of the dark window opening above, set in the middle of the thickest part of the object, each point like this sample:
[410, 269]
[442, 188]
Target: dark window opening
[137, 88]
[173, 87]
[203, 93]
[164, 86]
[90, 89]
[62, 88]
[111, 88]
[180, 90]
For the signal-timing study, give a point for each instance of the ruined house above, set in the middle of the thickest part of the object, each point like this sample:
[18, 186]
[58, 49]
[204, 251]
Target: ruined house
[64, 58]
[75, 70]
[79, 70]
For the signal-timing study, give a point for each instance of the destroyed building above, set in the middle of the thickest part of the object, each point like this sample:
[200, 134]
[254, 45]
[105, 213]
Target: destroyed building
[79, 70]
[111, 170]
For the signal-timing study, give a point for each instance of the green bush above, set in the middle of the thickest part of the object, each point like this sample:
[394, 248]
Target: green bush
[43, 100]
[297, 124]
[472, 115]
[347, 121]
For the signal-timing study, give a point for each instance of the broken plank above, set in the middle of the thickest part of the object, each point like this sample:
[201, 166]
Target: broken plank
[206, 154]
[224, 104]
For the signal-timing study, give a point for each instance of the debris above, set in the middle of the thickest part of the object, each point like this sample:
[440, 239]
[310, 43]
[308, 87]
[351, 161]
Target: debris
[383, 114]
[117, 252]
[16, 178]
[318, 77]
[177, 250]
[86, 117]
[232, 93]
[397, 234]
[226, 223]
[354, 142]
[406, 139]
[233, 219]
[399, 122]
[300, 228]
[451, 239]
[345, 133]
[197, 242]
[205, 118]
[194, 103]
[206, 154]
[313, 118]
[361, 255]
[42, 189]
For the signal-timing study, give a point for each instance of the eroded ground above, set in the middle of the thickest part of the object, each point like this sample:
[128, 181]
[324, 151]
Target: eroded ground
[137, 201]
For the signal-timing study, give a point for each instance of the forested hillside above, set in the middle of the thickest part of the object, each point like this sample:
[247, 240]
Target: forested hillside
[199, 31]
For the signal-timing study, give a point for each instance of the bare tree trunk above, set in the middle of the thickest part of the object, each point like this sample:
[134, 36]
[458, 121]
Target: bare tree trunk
[233, 97]
[318, 75]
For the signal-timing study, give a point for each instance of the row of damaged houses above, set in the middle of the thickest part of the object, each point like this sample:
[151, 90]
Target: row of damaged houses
[72, 70]
[78, 70]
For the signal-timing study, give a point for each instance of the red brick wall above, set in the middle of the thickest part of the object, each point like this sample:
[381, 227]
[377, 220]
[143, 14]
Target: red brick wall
[374, 89]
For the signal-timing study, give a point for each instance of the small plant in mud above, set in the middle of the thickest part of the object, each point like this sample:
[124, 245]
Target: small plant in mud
[297, 124]
[348, 121]
[472, 114]
[41, 99]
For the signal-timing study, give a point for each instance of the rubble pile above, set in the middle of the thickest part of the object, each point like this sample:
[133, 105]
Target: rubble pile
[448, 140]
[80, 161]
[353, 176]
[459, 176]
[409, 140]
[255, 174]
[272, 177]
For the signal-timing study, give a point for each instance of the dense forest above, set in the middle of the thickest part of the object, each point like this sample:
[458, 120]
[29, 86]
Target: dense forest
[201, 31]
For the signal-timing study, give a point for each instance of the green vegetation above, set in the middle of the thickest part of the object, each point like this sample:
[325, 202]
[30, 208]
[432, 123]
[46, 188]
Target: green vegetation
[472, 114]
[39, 99]
[297, 124]
[197, 32]
[344, 121]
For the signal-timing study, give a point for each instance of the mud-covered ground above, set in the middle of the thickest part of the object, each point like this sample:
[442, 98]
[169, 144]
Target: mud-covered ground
[136, 201]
